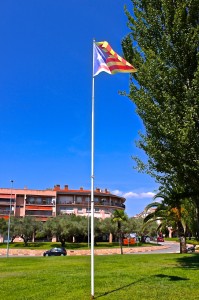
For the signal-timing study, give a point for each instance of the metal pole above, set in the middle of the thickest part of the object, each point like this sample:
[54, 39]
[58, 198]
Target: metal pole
[88, 216]
[92, 187]
[8, 239]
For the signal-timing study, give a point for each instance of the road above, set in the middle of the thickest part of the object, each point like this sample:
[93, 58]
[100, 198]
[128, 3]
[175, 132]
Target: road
[172, 247]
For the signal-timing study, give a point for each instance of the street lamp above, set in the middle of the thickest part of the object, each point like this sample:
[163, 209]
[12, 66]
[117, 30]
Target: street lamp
[8, 239]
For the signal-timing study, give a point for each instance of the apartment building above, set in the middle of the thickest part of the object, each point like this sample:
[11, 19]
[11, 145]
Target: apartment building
[43, 204]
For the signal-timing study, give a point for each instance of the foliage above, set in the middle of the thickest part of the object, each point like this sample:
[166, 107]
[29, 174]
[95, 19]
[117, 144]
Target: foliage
[71, 228]
[119, 217]
[66, 227]
[3, 226]
[107, 226]
[24, 227]
[135, 225]
[162, 216]
[171, 212]
[163, 45]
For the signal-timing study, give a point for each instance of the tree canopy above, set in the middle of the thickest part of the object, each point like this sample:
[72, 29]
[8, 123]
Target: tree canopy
[66, 227]
[163, 45]
[24, 227]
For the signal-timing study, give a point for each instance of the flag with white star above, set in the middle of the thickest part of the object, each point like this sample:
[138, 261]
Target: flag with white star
[107, 60]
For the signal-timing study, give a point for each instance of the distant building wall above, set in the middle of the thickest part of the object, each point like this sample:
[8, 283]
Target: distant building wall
[43, 204]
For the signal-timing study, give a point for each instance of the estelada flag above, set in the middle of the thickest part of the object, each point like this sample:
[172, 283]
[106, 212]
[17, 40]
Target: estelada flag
[107, 60]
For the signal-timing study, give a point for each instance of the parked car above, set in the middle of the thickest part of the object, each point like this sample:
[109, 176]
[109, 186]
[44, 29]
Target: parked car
[145, 239]
[191, 249]
[160, 239]
[55, 252]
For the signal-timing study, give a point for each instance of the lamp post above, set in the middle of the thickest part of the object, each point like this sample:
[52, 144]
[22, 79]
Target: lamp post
[8, 239]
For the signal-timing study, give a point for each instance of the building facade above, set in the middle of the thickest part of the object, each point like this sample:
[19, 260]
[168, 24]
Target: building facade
[43, 204]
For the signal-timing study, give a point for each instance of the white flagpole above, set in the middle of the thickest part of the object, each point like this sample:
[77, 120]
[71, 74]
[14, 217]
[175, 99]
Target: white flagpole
[92, 185]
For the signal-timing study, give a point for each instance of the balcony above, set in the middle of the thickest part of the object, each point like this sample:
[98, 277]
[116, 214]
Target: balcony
[38, 213]
[112, 204]
[39, 201]
[5, 212]
[65, 203]
[6, 202]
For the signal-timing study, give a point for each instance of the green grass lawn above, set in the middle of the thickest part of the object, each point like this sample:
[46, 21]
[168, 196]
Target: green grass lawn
[71, 246]
[126, 277]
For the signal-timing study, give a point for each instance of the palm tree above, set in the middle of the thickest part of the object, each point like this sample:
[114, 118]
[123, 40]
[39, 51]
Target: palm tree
[160, 214]
[119, 216]
[171, 209]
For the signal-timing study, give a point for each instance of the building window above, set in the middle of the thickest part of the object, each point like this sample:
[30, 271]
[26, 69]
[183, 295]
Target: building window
[65, 200]
[38, 213]
[66, 210]
[78, 200]
[87, 199]
[47, 201]
[38, 200]
[30, 200]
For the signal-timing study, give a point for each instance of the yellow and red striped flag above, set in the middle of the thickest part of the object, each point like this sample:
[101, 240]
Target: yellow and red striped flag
[107, 60]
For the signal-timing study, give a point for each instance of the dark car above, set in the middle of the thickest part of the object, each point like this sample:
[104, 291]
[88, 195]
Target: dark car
[55, 252]
[145, 239]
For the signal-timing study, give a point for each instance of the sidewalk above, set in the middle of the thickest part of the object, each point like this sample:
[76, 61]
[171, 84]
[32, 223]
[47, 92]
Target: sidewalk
[27, 252]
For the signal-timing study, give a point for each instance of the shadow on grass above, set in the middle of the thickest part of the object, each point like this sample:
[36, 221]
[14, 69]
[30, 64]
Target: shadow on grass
[170, 277]
[189, 261]
[120, 288]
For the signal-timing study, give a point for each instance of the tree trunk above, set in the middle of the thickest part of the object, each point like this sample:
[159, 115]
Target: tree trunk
[33, 237]
[197, 219]
[25, 239]
[121, 248]
[183, 247]
[110, 237]
[63, 243]
[170, 229]
[182, 237]
[120, 236]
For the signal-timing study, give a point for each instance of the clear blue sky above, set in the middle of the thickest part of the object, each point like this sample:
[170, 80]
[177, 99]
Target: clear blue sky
[45, 100]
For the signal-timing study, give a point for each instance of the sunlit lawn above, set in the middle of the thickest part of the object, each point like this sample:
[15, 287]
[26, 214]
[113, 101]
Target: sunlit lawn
[48, 245]
[147, 276]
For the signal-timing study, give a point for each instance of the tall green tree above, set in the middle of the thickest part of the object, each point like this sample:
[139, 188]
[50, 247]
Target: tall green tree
[119, 217]
[136, 225]
[106, 226]
[163, 45]
[25, 228]
[66, 227]
[178, 215]
[3, 226]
